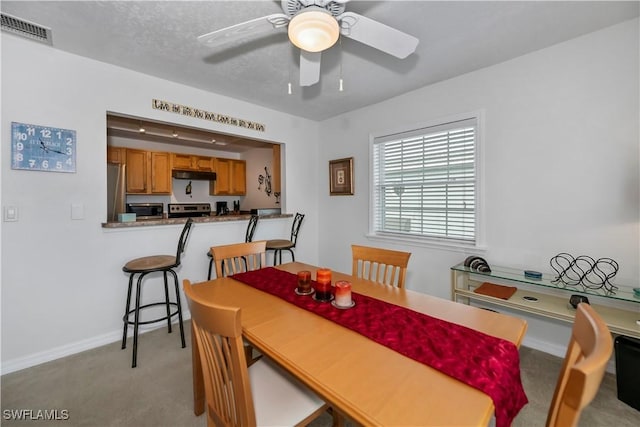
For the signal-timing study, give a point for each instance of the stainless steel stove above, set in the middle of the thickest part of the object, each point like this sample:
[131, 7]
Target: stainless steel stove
[183, 210]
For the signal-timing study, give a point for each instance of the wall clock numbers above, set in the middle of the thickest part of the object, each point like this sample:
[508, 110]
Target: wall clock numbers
[42, 148]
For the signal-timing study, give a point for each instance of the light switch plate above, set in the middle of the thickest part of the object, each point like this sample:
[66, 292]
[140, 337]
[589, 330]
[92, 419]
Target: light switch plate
[10, 213]
[77, 211]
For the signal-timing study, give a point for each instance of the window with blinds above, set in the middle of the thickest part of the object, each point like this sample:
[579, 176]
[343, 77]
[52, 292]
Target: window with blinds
[424, 183]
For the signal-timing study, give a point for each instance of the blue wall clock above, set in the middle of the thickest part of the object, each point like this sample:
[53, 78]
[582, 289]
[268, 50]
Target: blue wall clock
[42, 148]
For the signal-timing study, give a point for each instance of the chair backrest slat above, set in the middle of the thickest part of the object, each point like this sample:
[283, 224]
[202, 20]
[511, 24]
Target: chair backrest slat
[251, 228]
[380, 265]
[182, 242]
[218, 333]
[239, 257]
[295, 227]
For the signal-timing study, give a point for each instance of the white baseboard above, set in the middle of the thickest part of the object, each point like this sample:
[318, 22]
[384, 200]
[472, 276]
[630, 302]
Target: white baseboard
[73, 348]
[59, 352]
[559, 351]
[546, 347]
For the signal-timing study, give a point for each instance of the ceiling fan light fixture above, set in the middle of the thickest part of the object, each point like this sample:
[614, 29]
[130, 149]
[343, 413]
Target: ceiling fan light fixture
[313, 29]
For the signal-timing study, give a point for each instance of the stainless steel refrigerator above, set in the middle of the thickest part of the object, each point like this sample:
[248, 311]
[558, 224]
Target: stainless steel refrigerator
[116, 190]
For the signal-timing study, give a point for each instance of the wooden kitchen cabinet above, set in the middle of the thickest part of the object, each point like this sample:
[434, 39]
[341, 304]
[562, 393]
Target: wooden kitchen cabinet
[203, 163]
[148, 172]
[160, 173]
[231, 178]
[181, 161]
[116, 155]
[136, 171]
[238, 177]
[191, 162]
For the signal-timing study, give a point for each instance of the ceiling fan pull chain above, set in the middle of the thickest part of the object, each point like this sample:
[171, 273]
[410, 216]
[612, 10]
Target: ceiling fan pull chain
[341, 88]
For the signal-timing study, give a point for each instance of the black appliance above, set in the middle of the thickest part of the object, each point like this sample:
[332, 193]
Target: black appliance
[628, 370]
[222, 208]
[146, 210]
[184, 210]
[266, 211]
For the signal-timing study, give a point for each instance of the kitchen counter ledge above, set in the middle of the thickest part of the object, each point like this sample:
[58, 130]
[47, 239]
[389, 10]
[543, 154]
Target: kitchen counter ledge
[196, 220]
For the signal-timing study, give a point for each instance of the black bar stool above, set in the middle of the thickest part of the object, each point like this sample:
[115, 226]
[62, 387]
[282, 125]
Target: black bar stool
[248, 237]
[279, 245]
[142, 267]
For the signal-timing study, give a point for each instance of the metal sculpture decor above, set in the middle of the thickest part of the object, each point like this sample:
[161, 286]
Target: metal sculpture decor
[584, 271]
[266, 180]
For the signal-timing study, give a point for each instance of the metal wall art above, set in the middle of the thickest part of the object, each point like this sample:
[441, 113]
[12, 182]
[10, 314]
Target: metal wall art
[266, 180]
[584, 271]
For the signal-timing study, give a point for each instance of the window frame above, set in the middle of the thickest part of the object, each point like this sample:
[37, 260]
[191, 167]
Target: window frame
[430, 241]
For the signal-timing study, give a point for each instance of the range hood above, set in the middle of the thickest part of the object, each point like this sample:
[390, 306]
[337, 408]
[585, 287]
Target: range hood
[193, 175]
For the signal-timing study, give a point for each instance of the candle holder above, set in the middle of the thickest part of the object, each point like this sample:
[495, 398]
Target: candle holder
[304, 283]
[323, 291]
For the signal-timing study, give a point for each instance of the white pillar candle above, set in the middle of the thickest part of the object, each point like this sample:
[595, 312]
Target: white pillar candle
[343, 293]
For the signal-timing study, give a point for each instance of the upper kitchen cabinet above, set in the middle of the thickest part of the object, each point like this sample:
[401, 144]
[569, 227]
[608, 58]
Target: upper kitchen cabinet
[160, 173]
[116, 155]
[148, 172]
[231, 178]
[191, 162]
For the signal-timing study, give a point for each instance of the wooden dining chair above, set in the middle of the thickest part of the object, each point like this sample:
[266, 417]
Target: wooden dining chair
[279, 245]
[239, 257]
[589, 350]
[248, 237]
[236, 395]
[380, 265]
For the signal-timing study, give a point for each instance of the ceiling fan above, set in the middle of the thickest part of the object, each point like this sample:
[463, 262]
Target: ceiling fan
[314, 26]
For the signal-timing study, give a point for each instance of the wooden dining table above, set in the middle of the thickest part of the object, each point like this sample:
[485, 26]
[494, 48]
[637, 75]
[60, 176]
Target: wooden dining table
[367, 382]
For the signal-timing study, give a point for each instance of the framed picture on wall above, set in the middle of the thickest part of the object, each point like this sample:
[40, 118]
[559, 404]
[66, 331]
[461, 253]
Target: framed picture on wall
[341, 177]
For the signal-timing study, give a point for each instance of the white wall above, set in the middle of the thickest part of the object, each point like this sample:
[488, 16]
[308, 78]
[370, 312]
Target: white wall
[62, 285]
[257, 159]
[561, 174]
[561, 128]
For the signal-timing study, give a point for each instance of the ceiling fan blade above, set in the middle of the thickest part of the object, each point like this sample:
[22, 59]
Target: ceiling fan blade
[377, 35]
[309, 67]
[244, 29]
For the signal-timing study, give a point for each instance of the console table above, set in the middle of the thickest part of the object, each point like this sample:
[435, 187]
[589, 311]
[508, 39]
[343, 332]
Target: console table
[620, 311]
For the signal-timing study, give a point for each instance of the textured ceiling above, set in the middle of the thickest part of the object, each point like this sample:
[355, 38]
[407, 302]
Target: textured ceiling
[159, 38]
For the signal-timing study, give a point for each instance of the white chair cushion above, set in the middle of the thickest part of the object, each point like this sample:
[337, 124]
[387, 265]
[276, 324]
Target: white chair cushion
[278, 398]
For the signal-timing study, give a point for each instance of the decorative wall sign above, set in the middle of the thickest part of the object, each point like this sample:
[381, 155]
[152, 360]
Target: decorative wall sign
[584, 271]
[341, 177]
[184, 110]
[42, 148]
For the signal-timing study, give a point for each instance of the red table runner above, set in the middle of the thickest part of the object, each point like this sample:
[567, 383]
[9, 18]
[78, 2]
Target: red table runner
[487, 363]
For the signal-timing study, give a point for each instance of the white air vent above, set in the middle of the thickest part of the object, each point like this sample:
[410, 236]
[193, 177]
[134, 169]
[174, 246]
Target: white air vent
[26, 29]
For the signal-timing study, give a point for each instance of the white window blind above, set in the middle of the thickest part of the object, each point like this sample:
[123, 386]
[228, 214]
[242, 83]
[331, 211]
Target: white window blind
[424, 183]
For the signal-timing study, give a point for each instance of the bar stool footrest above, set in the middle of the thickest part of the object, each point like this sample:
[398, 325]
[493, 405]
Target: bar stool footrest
[146, 322]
